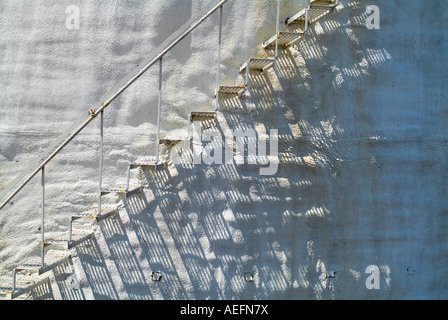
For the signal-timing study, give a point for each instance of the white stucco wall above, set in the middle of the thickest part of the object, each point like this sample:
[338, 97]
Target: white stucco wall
[361, 178]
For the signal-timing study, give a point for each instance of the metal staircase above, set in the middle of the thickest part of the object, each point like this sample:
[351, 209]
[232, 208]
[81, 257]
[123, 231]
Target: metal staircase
[81, 226]
[302, 20]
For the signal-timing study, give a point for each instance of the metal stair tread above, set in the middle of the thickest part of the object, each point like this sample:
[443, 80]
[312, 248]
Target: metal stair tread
[30, 267]
[121, 189]
[236, 89]
[257, 63]
[51, 261]
[80, 234]
[57, 244]
[202, 115]
[6, 292]
[146, 162]
[65, 244]
[327, 3]
[285, 38]
[93, 212]
[170, 141]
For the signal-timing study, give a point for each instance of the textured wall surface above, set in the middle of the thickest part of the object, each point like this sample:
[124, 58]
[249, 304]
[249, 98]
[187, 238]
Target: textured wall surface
[362, 146]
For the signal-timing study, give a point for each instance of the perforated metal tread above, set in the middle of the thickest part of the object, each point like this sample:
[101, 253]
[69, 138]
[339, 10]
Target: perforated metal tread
[92, 213]
[77, 237]
[30, 268]
[257, 63]
[147, 162]
[6, 293]
[51, 261]
[57, 244]
[285, 38]
[170, 141]
[121, 189]
[202, 115]
[238, 89]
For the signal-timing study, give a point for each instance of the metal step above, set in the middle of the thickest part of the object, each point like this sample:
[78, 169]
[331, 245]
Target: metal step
[285, 38]
[317, 10]
[57, 244]
[77, 237]
[121, 189]
[146, 159]
[6, 293]
[257, 64]
[31, 269]
[92, 213]
[324, 3]
[170, 141]
[35, 269]
[202, 115]
[52, 260]
[146, 162]
[238, 89]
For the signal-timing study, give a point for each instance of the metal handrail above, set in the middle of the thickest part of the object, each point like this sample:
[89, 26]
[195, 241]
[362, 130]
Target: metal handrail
[124, 84]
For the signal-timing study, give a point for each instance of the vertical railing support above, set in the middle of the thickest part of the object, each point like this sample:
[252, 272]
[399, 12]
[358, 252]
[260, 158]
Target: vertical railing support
[247, 72]
[128, 178]
[159, 109]
[42, 227]
[307, 18]
[14, 280]
[277, 28]
[70, 227]
[218, 76]
[100, 184]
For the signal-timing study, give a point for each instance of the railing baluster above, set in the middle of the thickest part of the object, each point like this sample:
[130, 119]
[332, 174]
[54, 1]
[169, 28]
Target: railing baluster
[218, 77]
[277, 27]
[101, 160]
[42, 228]
[159, 109]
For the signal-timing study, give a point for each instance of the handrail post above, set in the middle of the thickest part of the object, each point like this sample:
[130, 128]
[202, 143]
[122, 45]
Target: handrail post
[159, 109]
[128, 178]
[218, 77]
[14, 280]
[307, 17]
[247, 71]
[100, 185]
[277, 28]
[42, 228]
